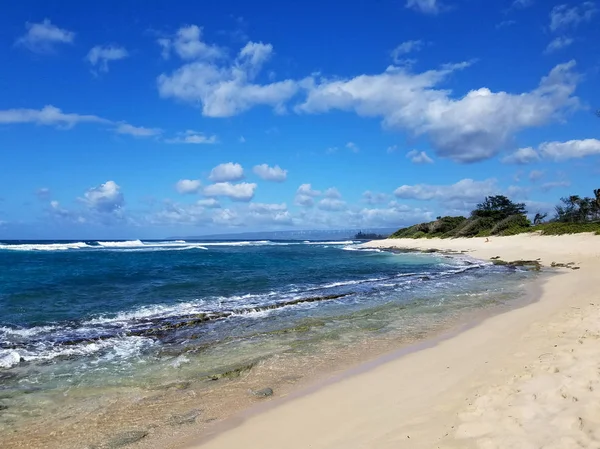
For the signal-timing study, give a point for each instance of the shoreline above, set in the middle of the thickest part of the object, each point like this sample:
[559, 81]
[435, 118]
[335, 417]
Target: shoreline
[439, 395]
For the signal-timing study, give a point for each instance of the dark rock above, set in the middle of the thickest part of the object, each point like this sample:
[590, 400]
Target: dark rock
[186, 418]
[126, 438]
[532, 265]
[231, 373]
[183, 385]
[3, 407]
[264, 393]
[575, 268]
[495, 258]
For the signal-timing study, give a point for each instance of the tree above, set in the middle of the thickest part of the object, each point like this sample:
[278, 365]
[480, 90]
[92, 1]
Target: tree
[498, 208]
[539, 218]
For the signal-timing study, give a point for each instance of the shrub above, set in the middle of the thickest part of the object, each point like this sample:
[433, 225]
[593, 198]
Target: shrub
[474, 226]
[511, 225]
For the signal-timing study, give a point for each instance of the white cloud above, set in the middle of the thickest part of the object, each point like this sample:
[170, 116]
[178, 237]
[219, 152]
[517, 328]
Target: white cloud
[425, 6]
[193, 137]
[521, 4]
[505, 23]
[242, 139]
[305, 195]
[562, 16]
[558, 44]
[553, 185]
[101, 55]
[572, 149]
[59, 212]
[136, 131]
[275, 174]
[185, 186]
[332, 204]
[52, 116]
[226, 172]
[536, 175]
[48, 115]
[332, 192]
[522, 156]
[352, 147]
[226, 217]
[106, 198]
[188, 44]
[558, 151]
[237, 192]
[209, 203]
[227, 89]
[405, 48]
[262, 208]
[43, 37]
[391, 149]
[419, 157]
[471, 128]
[396, 215]
[374, 197]
[463, 190]
[43, 193]
[331, 150]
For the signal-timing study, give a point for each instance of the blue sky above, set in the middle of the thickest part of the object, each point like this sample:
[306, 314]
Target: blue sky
[131, 119]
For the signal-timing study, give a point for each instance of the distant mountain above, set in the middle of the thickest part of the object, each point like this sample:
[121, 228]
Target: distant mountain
[321, 234]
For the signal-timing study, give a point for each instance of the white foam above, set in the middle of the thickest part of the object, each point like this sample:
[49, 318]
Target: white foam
[9, 358]
[45, 246]
[126, 244]
[345, 242]
[26, 332]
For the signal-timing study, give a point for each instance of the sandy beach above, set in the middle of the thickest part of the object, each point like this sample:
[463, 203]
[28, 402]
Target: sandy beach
[527, 378]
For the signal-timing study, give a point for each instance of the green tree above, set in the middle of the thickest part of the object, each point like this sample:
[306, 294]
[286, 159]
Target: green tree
[498, 208]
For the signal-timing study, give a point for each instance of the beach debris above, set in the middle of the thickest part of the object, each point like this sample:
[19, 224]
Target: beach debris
[264, 393]
[125, 438]
[186, 418]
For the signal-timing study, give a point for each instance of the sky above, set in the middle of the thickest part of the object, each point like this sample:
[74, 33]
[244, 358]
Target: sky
[136, 119]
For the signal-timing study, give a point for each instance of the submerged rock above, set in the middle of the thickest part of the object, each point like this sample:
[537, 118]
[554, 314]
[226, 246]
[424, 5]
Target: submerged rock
[264, 393]
[126, 438]
[186, 418]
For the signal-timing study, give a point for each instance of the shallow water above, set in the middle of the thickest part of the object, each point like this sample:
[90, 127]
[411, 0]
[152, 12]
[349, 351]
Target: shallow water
[96, 328]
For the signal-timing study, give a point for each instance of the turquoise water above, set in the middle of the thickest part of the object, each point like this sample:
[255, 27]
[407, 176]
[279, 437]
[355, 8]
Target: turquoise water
[99, 314]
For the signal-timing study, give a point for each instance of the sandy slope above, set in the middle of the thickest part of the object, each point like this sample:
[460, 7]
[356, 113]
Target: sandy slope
[529, 378]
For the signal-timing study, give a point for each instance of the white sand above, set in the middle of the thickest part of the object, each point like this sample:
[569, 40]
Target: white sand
[529, 378]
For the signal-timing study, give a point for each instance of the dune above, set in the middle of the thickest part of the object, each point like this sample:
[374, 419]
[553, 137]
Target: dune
[527, 378]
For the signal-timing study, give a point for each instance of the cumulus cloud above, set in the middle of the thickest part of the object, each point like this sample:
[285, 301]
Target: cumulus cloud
[332, 204]
[563, 16]
[105, 198]
[374, 197]
[188, 44]
[226, 172]
[521, 4]
[464, 190]
[224, 89]
[419, 157]
[522, 156]
[332, 192]
[57, 211]
[264, 208]
[44, 37]
[468, 129]
[99, 56]
[425, 6]
[558, 151]
[558, 44]
[187, 186]
[405, 48]
[305, 195]
[536, 175]
[572, 149]
[210, 203]
[237, 192]
[194, 138]
[137, 131]
[275, 174]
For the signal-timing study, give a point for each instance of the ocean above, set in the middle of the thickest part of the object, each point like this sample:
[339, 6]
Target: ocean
[97, 328]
